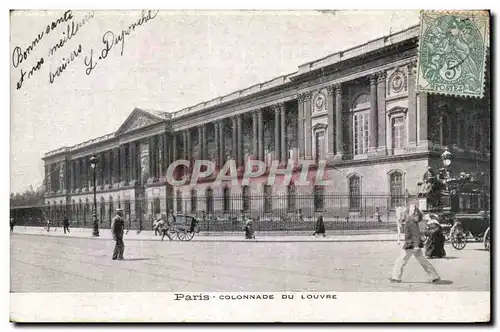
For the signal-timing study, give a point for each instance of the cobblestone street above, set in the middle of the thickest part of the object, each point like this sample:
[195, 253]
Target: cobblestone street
[57, 264]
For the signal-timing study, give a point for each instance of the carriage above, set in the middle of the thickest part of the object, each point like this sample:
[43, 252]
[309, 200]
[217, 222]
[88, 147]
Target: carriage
[461, 205]
[183, 228]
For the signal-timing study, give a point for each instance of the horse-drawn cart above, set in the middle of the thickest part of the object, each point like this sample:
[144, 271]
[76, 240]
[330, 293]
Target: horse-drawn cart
[461, 204]
[183, 228]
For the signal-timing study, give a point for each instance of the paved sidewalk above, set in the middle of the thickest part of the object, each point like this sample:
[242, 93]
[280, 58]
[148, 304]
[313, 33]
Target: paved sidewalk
[333, 236]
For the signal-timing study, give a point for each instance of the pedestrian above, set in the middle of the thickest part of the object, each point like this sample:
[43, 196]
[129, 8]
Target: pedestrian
[413, 246]
[249, 232]
[434, 245]
[320, 226]
[300, 216]
[48, 225]
[117, 226]
[12, 224]
[66, 224]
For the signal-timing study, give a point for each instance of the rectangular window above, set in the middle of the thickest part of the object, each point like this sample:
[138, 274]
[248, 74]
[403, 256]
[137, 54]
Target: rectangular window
[398, 133]
[361, 132]
[320, 146]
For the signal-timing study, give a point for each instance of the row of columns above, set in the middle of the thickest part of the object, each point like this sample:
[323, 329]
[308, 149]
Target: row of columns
[280, 139]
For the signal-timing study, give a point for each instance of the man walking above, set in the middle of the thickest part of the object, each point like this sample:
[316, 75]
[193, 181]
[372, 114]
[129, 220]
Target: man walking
[413, 246]
[66, 224]
[117, 226]
[12, 224]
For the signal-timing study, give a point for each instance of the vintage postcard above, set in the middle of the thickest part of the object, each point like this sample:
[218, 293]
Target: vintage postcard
[250, 166]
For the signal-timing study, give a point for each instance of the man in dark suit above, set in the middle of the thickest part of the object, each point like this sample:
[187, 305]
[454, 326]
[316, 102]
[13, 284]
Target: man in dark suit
[117, 227]
[66, 224]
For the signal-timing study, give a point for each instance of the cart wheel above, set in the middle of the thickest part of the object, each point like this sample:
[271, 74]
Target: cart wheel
[458, 239]
[487, 239]
[189, 236]
[172, 233]
[181, 235]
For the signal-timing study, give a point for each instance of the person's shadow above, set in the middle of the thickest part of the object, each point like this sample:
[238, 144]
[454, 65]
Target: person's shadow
[440, 282]
[137, 259]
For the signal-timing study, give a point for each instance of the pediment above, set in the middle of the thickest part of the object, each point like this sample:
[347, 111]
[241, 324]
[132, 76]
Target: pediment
[137, 119]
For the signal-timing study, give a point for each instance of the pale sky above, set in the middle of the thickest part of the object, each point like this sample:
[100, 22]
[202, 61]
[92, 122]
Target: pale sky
[174, 60]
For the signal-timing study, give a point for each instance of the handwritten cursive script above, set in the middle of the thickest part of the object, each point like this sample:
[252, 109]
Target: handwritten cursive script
[18, 55]
[71, 30]
[110, 39]
[66, 61]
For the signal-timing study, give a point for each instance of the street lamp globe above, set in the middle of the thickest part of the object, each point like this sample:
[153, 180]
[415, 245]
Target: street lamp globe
[93, 161]
[446, 157]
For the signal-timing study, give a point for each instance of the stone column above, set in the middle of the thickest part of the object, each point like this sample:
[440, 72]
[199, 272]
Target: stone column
[131, 164]
[382, 118]
[300, 119]
[241, 157]
[186, 153]
[423, 119]
[117, 166]
[277, 138]
[260, 129]
[123, 166]
[307, 126]
[330, 103]
[204, 142]
[85, 172]
[217, 150]
[284, 150]
[255, 145]
[151, 158]
[234, 143]
[339, 132]
[78, 184]
[200, 143]
[109, 164]
[373, 115]
[221, 143]
[165, 157]
[47, 179]
[72, 175]
[174, 146]
[159, 159]
[412, 106]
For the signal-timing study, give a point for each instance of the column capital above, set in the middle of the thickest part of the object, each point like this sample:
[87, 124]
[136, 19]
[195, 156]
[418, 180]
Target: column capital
[330, 89]
[305, 96]
[381, 76]
[412, 67]
[278, 106]
[373, 79]
[338, 88]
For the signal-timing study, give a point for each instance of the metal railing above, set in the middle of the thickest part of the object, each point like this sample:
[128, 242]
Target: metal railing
[230, 212]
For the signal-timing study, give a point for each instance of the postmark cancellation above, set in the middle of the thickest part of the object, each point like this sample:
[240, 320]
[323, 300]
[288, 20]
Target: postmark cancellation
[452, 52]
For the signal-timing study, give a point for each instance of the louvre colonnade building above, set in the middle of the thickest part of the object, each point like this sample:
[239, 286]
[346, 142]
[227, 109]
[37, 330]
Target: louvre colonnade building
[357, 109]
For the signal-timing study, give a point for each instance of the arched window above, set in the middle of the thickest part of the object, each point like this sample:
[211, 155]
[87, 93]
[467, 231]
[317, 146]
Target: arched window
[396, 184]
[319, 198]
[194, 200]
[209, 197]
[361, 124]
[291, 198]
[268, 204]
[355, 193]
[246, 198]
[226, 198]
[178, 199]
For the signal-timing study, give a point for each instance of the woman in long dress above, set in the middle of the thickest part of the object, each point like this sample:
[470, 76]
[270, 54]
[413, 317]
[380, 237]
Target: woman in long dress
[434, 245]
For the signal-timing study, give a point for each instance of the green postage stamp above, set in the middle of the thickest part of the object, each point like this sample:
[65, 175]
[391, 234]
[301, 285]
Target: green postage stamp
[452, 52]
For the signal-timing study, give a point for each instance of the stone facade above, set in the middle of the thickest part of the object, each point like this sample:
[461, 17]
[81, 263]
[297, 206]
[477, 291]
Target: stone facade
[358, 110]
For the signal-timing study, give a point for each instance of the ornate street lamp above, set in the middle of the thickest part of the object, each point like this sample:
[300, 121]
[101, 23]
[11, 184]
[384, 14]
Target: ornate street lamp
[93, 164]
[446, 157]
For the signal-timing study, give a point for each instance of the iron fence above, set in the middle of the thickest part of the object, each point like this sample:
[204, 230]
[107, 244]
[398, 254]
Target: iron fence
[297, 212]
